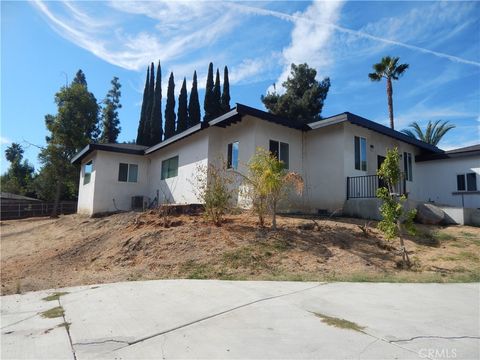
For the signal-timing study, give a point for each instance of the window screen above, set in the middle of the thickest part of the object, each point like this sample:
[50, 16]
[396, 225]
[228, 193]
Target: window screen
[461, 182]
[132, 173]
[471, 182]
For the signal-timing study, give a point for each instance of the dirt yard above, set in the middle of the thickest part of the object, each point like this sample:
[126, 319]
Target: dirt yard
[41, 253]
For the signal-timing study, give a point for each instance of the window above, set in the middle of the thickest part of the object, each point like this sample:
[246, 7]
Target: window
[360, 153]
[232, 156]
[281, 151]
[170, 168]
[469, 185]
[127, 172]
[87, 172]
[407, 166]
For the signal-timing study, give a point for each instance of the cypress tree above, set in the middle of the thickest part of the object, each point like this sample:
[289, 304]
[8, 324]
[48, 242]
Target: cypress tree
[209, 103]
[170, 109]
[156, 130]
[193, 104]
[217, 95]
[80, 78]
[148, 111]
[141, 123]
[182, 108]
[226, 92]
[110, 121]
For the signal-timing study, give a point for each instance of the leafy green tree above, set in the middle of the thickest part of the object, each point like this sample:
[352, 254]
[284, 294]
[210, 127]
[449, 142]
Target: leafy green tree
[389, 69]
[148, 111]
[20, 175]
[170, 109]
[209, 104]
[73, 127]
[434, 132]
[194, 116]
[110, 121]
[267, 184]
[143, 114]
[182, 108]
[226, 92]
[156, 128]
[217, 96]
[395, 217]
[303, 98]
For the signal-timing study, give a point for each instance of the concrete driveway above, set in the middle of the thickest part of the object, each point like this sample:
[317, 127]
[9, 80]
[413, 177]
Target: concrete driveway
[245, 320]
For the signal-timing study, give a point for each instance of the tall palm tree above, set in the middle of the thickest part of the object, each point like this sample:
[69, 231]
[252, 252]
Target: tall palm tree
[433, 132]
[389, 69]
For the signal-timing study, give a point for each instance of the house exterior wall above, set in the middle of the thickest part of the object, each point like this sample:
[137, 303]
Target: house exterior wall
[324, 169]
[192, 153]
[438, 181]
[108, 188]
[86, 191]
[380, 145]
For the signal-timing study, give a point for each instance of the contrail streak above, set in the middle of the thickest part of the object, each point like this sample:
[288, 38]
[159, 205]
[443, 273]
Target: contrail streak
[291, 18]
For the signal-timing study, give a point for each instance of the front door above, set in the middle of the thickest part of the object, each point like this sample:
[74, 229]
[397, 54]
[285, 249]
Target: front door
[380, 160]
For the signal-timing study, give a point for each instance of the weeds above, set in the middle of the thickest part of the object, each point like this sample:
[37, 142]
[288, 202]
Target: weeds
[53, 313]
[340, 323]
[54, 296]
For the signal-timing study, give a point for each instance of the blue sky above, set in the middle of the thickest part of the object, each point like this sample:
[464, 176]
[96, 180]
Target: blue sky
[45, 43]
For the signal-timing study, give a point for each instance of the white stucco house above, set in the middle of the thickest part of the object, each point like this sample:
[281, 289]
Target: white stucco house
[337, 157]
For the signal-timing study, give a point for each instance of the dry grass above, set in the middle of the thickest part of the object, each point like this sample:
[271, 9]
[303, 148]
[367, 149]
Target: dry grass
[76, 250]
[340, 323]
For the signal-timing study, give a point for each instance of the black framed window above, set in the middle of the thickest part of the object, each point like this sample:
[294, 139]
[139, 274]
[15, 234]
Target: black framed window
[127, 172]
[170, 168]
[360, 145]
[407, 166]
[281, 151]
[232, 155]
[87, 172]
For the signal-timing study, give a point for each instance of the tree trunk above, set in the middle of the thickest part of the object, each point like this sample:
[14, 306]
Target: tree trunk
[274, 217]
[58, 189]
[390, 101]
[405, 258]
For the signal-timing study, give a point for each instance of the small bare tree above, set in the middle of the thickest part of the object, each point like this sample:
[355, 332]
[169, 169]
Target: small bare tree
[213, 187]
[394, 215]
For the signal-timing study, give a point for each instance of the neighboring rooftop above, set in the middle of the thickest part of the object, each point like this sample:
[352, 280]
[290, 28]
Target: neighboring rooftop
[473, 150]
[10, 196]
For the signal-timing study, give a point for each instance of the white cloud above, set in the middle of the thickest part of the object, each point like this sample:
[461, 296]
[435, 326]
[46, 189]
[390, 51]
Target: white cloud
[4, 140]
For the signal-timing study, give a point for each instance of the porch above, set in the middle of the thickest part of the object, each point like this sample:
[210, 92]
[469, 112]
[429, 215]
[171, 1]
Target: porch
[365, 187]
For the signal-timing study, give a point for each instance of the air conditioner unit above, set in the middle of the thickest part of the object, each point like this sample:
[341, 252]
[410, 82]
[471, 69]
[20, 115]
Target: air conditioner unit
[139, 203]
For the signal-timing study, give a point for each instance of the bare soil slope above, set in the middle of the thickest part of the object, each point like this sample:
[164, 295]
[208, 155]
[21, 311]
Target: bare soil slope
[42, 253]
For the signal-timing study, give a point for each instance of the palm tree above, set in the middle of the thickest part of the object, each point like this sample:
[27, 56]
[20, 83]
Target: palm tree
[433, 132]
[14, 153]
[389, 69]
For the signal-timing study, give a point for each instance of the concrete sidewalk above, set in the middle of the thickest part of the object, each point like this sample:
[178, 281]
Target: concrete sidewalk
[245, 320]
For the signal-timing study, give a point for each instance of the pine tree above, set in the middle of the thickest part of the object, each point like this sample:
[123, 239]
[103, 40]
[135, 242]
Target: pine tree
[148, 111]
[217, 96]
[226, 92]
[110, 120]
[182, 108]
[143, 117]
[193, 104]
[80, 78]
[156, 130]
[170, 109]
[209, 103]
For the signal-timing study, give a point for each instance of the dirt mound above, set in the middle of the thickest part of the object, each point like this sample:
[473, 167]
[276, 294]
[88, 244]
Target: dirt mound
[73, 250]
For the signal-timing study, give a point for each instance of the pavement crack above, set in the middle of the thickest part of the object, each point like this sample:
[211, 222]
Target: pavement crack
[366, 347]
[436, 337]
[101, 342]
[67, 329]
[18, 322]
[217, 314]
